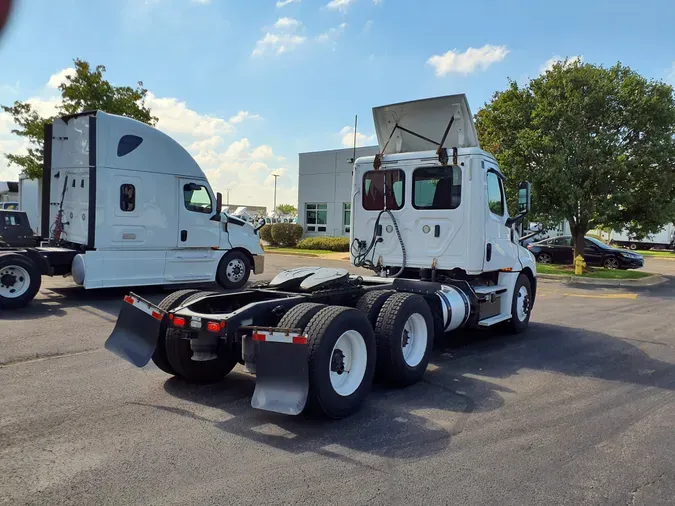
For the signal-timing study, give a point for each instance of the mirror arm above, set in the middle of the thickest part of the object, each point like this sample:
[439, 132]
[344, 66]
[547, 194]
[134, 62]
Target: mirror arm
[512, 221]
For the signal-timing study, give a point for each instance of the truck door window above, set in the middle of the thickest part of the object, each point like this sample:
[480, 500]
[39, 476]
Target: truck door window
[437, 187]
[127, 197]
[197, 198]
[495, 194]
[380, 186]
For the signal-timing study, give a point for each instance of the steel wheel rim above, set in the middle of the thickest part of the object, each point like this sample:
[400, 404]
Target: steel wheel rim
[523, 304]
[235, 270]
[414, 339]
[611, 263]
[349, 360]
[544, 258]
[14, 281]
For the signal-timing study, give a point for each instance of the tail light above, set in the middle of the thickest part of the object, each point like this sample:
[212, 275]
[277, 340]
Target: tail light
[178, 321]
[215, 326]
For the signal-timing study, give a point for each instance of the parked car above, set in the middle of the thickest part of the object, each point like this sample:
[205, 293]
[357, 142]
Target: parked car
[15, 230]
[560, 250]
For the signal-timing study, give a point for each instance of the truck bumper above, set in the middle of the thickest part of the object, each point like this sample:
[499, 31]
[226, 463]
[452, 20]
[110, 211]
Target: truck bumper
[136, 333]
[258, 264]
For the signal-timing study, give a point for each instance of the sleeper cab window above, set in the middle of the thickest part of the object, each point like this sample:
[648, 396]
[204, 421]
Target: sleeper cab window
[383, 187]
[437, 187]
[127, 144]
[127, 197]
[197, 199]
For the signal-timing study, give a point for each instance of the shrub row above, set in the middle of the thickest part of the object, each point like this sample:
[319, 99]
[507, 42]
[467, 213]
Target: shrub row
[285, 235]
[326, 243]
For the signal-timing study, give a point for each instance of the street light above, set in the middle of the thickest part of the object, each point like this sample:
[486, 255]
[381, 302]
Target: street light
[275, 176]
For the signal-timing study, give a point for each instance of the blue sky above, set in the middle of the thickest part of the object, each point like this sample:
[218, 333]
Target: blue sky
[247, 85]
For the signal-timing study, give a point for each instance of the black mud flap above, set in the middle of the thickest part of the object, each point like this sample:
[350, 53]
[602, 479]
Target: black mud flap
[136, 332]
[282, 377]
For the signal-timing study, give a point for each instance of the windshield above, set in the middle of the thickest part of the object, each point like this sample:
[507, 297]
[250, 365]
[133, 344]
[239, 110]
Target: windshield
[597, 242]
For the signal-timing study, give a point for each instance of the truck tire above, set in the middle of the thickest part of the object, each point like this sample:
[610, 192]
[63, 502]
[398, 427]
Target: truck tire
[299, 316]
[371, 303]
[520, 305]
[196, 296]
[404, 336]
[234, 270]
[341, 361]
[159, 356]
[20, 281]
[179, 354]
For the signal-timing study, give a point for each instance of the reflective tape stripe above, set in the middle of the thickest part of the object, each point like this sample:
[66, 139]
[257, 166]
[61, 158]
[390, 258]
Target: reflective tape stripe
[279, 337]
[143, 306]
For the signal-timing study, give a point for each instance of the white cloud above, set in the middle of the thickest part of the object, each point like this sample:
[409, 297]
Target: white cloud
[467, 62]
[332, 33]
[670, 76]
[203, 2]
[347, 138]
[284, 3]
[378, 2]
[556, 59]
[243, 115]
[340, 5]
[176, 118]
[263, 152]
[60, 77]
[287, 24]
[367, 27]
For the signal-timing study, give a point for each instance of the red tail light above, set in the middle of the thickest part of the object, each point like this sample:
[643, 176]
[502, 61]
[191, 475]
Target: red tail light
[179, 321]
[215, 326]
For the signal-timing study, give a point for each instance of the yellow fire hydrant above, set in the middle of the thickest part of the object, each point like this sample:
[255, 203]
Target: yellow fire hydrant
[579, 265]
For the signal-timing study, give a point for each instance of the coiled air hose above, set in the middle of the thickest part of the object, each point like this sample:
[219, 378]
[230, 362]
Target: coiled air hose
[361, 255]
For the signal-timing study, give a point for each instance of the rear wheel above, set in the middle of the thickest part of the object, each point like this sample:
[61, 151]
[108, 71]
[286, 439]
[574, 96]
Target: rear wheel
[341, 361]
[159, 356]
[633, 246]
[404, 336]
[371, 303]
[299, 316]
[20, 281]
[179, 353]
[544, 258]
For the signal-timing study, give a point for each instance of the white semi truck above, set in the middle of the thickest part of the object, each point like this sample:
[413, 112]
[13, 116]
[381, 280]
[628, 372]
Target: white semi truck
[429, 217]
[664, 239]
[124, 204]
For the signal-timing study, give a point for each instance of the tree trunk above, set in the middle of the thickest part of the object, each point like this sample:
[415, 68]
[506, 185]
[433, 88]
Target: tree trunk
[578, 234]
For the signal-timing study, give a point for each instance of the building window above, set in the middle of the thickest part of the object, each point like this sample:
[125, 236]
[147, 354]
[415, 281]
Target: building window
[495, 197]
[197, 199]
[346, 217]
[437, 187]
[127, 197]
[316, 217]
[127, 144]
[383, 188]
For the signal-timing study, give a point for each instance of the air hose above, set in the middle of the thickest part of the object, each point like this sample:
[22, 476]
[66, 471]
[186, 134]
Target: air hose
[361, 255]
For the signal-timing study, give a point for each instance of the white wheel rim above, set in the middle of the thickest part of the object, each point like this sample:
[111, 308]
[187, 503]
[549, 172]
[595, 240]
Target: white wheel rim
[348, 363]
[235, 270]
[523, 304]
[611, 263]
[14, 281]
[414, 339]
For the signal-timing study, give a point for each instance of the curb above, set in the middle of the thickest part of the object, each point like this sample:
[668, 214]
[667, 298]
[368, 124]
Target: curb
[655, 279]
[285, 254]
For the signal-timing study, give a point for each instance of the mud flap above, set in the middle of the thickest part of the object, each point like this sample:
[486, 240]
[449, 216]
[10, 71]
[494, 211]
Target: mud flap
[136, 332]
[282, 377]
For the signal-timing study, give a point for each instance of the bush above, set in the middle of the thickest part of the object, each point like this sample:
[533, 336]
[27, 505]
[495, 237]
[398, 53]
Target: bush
[266, 234]
[326, 243]
[286, 235]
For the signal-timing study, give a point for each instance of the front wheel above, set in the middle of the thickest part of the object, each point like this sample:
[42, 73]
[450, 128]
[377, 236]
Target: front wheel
[521, 305]
[611, 263]
[234, 270]
[20, 281]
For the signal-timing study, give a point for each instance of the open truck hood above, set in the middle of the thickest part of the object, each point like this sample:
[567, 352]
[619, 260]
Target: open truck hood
[428, 118]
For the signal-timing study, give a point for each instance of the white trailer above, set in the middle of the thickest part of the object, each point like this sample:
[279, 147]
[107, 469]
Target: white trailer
[428, 217]
[124, 204]
[664, 238]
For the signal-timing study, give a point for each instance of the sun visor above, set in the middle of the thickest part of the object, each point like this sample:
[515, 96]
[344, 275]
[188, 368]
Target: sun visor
[428, 119]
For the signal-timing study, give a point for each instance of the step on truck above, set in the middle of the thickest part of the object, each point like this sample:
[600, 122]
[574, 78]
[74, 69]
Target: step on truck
[429, 218]
[123, 205]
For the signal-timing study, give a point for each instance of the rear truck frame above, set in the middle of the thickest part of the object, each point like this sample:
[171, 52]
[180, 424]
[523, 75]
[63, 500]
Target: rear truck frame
[315, 338]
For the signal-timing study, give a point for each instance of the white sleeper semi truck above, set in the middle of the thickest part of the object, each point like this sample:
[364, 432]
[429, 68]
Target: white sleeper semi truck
[124, 204]
[429, 217]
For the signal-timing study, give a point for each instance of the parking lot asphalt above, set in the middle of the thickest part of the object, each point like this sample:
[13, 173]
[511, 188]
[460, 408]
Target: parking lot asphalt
[578, 410]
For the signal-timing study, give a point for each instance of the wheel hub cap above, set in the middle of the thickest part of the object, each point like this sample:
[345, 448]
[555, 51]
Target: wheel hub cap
[338, 362]
[8, 280]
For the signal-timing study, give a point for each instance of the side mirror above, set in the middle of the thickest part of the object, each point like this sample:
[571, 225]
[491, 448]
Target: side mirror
[524, 194]
[219, 207]
[261, 224]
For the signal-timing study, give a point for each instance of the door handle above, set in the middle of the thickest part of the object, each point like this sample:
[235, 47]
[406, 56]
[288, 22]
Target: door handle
[183, 235]
[488, 253]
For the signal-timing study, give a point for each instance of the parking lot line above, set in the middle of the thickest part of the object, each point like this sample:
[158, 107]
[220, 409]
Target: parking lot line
[632, 296]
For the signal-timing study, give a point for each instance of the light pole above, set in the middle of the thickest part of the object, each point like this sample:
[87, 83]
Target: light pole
[275, 176]
[228, 196]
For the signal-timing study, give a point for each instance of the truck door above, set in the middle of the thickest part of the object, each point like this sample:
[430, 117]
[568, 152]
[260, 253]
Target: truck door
[499, 249]
[196, 205]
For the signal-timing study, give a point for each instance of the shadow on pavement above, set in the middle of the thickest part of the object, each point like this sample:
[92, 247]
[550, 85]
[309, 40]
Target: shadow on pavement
[420, 421]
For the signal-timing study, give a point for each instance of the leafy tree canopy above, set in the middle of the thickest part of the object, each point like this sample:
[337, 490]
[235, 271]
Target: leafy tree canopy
[86, 89]
[286, 209]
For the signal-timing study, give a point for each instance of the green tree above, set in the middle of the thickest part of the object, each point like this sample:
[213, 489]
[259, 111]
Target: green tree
[597, 144]
[286, 209]
[86, 89]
